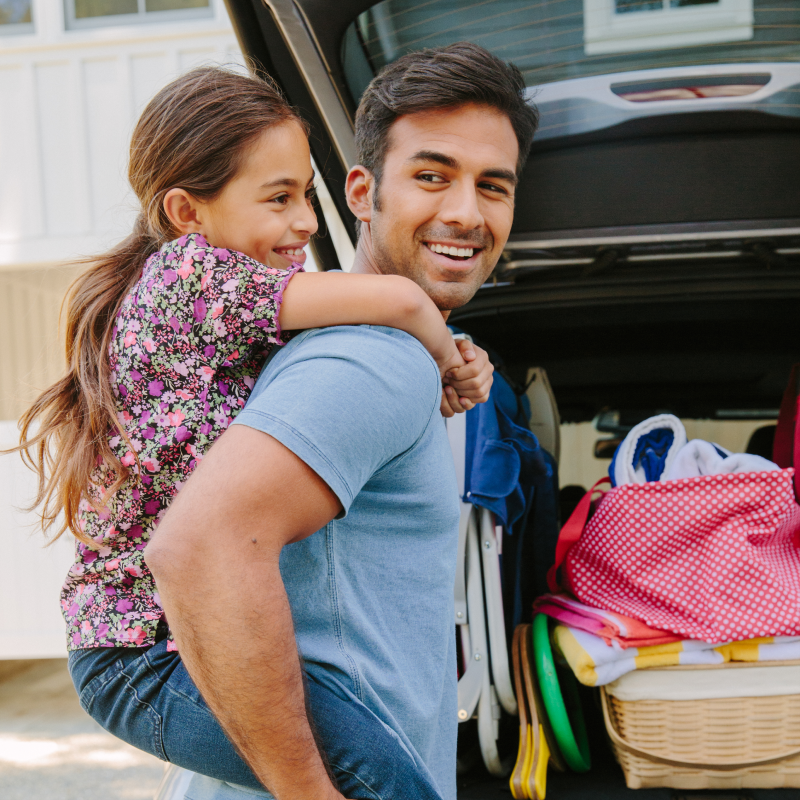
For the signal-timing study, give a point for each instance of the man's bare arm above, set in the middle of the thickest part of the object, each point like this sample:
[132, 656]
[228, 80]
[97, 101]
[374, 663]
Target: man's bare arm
[215, 561]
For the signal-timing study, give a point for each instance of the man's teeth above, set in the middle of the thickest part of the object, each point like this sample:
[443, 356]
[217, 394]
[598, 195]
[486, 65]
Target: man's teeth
[461, 252]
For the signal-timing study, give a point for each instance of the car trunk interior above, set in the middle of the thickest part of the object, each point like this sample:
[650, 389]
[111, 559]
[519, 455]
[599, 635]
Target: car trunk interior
[653, 266]
[705, 330]
[708, 333]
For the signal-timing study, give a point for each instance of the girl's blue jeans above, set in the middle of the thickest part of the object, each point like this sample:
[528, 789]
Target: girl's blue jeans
[146, 698]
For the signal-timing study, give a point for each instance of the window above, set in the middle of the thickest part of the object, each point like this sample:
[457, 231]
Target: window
[623, 26]
[100, 13]
[553, 40]
[16, 16]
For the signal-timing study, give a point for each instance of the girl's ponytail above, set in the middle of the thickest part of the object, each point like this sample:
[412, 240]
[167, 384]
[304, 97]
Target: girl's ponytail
[76, 414]
[193, 134]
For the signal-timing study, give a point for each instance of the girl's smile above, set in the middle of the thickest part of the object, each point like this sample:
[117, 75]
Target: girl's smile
[293, 253]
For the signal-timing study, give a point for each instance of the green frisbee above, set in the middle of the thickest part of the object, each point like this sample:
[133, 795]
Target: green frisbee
[561, 700]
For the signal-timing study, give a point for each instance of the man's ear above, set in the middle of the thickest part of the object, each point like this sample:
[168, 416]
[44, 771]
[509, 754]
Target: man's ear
[359, 192]
[183, 211]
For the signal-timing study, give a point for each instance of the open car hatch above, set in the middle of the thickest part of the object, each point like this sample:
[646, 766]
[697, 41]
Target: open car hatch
[654, 260]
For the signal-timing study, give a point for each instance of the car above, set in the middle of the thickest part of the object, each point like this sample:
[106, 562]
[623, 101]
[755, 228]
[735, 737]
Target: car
[654, 262]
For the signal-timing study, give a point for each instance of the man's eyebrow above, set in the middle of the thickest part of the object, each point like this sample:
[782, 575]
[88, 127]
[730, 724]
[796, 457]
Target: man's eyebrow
[502, 175]
[452, 163]
[434, 155]
[289, 183]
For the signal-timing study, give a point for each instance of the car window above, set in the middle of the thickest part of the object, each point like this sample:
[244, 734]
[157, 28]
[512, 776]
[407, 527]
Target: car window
[552, 40]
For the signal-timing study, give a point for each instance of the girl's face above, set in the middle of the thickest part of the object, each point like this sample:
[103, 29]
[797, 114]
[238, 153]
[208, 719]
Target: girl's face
[265, 211]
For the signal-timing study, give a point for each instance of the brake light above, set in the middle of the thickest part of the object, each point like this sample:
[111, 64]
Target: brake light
[690, 88]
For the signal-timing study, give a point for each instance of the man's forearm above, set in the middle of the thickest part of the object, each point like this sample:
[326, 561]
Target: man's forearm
[249, 674]
[215, 558]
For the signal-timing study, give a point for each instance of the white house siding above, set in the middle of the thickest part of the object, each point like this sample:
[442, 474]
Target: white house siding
[68, 103]
[30, 574]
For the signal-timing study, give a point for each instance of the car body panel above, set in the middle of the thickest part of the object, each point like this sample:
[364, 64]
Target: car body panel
[654, 261]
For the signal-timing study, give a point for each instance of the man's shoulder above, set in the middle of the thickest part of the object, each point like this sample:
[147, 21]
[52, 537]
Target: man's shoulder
[347, 401]
[360, 339]
[385, 356]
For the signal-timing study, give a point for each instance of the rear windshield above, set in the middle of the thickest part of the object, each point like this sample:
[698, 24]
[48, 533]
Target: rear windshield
[552, 40]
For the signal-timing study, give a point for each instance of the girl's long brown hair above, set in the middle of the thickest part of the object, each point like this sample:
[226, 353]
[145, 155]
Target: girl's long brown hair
[193, 135]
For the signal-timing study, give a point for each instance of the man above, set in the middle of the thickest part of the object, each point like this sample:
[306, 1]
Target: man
[329, 524]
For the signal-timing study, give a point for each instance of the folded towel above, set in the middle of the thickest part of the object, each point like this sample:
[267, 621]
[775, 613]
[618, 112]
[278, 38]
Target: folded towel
[647, 452]
[767, 680]
[608, 625]
[596, 663]
[704, 458]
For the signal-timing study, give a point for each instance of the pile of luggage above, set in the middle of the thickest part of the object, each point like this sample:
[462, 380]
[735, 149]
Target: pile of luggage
[676, 592]
[690, 563]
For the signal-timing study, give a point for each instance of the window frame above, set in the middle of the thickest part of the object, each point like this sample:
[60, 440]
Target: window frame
[606, 32]
[141, 17]
[17, 28]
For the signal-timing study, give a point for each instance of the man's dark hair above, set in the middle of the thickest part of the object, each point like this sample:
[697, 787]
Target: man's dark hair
[441, 77]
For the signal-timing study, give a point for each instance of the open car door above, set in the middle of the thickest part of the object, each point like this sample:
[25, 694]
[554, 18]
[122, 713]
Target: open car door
[279, 40]
[658, 211]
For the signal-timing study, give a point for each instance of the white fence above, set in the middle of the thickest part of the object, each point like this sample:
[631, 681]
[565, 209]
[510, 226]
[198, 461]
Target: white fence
[31, 574]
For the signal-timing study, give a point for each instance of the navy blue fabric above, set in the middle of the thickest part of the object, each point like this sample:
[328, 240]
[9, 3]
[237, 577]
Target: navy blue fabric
[509, 473]
[503, 457]
[650, 454]
[720, 452]
[543, 529]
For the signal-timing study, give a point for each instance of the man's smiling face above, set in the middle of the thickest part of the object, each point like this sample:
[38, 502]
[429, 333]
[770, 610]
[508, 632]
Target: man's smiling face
[446, 200]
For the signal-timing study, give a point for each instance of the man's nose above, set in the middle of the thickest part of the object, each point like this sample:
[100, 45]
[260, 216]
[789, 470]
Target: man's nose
[460, 206]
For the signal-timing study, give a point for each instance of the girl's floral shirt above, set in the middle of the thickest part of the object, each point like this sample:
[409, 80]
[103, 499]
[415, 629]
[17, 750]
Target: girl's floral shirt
[187, 347]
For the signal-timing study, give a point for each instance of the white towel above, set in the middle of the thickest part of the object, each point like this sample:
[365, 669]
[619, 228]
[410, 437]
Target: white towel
[705, 684]
[704, 458]
[624, 471]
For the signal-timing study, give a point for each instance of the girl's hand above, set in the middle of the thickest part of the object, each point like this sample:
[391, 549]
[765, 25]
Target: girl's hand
[464, 386]
[447, 363]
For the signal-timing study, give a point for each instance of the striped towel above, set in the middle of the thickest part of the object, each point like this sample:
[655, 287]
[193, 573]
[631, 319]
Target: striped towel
[609, 625]
[596, 662]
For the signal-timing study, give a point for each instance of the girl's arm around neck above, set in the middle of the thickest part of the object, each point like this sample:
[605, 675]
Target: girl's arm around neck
[320, 299]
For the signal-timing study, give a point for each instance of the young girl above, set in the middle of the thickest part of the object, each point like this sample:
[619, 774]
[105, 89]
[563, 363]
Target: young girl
[166, 336]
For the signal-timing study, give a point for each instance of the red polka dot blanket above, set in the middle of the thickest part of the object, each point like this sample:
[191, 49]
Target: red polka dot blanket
[714, 558]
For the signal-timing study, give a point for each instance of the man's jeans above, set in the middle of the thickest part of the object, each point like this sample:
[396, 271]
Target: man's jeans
[146, 697]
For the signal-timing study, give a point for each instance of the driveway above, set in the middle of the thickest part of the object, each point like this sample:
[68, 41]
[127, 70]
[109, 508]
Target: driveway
[50, 749]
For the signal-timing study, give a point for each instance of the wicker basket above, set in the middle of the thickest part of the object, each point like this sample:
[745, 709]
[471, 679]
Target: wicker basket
[728, 743]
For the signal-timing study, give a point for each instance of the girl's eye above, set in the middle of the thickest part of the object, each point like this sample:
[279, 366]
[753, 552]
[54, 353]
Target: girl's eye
[311, 194]
[283, 199]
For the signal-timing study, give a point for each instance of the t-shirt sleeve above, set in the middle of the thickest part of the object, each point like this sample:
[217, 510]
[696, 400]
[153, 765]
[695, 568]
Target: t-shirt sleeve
[347, 401]
[234, 300]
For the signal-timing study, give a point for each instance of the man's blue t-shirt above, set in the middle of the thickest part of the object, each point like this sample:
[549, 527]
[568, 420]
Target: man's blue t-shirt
[372, 592]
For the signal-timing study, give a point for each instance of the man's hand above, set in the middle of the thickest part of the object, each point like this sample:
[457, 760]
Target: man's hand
[215, 558]
[465, 386]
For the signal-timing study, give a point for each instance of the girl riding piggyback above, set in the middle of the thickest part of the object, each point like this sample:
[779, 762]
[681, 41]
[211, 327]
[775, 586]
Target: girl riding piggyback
[167, 334]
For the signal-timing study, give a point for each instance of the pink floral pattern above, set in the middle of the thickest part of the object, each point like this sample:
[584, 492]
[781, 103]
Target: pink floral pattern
[188, 345]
